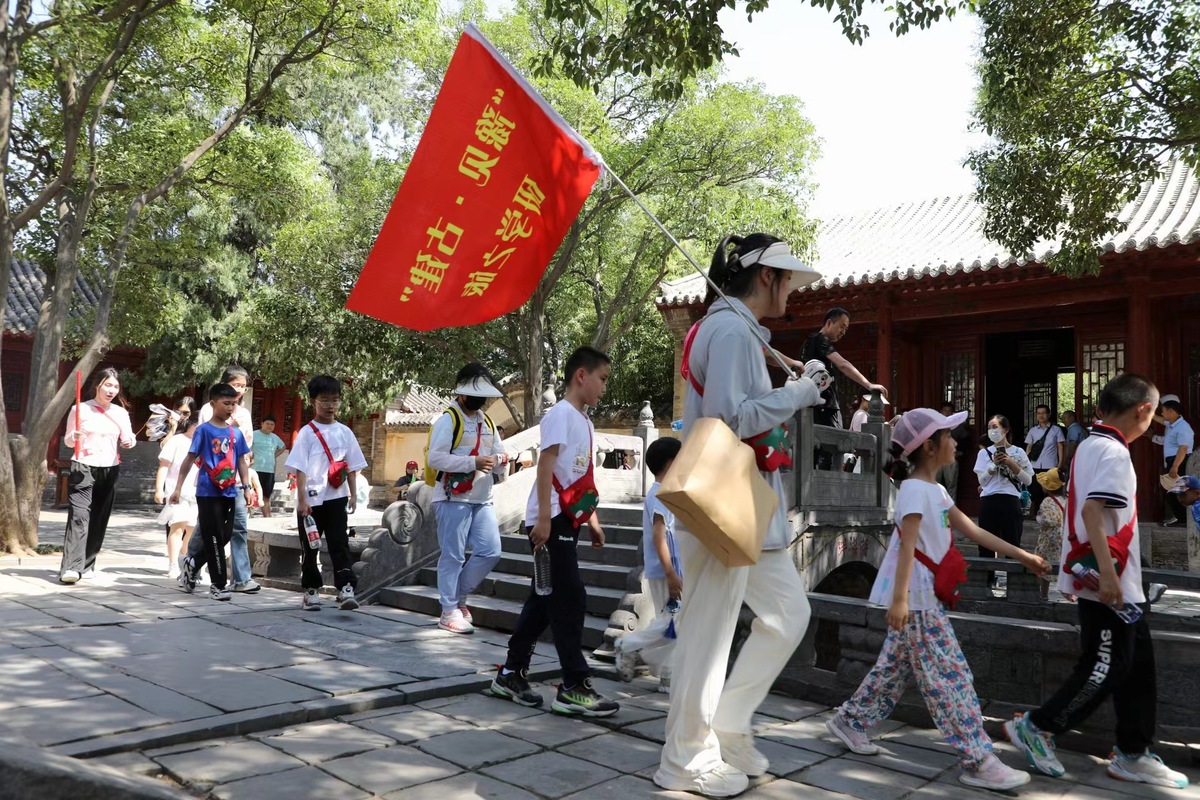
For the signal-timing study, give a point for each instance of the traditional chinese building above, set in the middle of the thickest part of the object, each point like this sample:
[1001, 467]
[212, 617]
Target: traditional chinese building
[938, 312]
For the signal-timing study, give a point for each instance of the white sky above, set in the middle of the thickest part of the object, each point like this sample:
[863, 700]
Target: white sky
[892, 114]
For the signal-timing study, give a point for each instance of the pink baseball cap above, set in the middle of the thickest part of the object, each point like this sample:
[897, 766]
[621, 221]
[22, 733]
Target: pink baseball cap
[919, 424]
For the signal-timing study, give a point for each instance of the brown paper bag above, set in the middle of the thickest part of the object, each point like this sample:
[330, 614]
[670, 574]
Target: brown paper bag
[717, 492]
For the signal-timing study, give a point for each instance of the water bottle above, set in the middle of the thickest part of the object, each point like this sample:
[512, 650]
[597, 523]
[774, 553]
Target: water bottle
[541, 571]
[310, 530]
[1090, 578]
[677, 425]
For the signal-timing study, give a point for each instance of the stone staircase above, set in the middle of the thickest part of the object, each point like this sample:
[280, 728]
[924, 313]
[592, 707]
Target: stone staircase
[497, 602]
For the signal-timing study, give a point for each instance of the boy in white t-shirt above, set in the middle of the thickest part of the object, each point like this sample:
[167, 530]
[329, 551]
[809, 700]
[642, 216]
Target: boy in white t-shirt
[326, 458]
[1117, 657]
[920, 640]
[563, 500]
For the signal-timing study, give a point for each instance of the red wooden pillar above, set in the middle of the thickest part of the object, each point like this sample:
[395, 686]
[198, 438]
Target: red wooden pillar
[883, 344]
[297, 418]
[1137, 340]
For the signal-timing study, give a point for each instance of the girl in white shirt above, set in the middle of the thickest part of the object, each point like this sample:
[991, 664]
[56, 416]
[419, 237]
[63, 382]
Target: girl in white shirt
[180, 518]
[1004, 472]
[96, 429]
[920, 640]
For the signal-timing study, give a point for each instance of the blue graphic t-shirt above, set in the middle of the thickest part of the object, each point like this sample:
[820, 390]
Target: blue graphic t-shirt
[212, 443]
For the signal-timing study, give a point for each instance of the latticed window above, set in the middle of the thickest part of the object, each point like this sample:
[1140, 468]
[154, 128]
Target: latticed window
[1101, 363]
[1039, 394]
[958, 382]
[14, 391]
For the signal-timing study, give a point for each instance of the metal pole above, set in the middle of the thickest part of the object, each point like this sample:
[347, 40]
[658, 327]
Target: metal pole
[754, 327]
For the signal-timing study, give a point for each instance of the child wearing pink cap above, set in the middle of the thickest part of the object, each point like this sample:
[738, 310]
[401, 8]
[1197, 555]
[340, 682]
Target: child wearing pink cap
[920, 573]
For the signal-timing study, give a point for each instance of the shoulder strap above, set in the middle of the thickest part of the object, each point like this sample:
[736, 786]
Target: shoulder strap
[457, 418]
[320, 439]
[929, 563]
[685, 359]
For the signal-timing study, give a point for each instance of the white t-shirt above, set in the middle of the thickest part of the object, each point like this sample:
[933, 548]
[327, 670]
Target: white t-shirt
[1103, 470]
[992, 480]
[858, 420]
[1048, 458]
[932, 503]
[653, 568]
[444, 457]
[175, 453]
[572, 431]
[241, 420]
[308, 456]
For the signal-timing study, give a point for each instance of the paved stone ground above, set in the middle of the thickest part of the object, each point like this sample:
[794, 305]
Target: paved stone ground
[257, 699]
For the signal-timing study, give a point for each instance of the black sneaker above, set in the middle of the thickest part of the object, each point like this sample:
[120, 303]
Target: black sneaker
[582, 701]
[187, 574]
[514, 686]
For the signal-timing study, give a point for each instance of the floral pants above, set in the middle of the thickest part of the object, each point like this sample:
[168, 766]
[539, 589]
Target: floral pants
[928, 650]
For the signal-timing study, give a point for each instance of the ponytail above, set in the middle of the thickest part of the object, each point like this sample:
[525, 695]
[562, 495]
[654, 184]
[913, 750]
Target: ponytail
[896, 467]
[726, 269]
[719, 268]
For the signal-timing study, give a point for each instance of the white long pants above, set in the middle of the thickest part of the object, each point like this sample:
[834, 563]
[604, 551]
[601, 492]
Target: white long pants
[701, 699]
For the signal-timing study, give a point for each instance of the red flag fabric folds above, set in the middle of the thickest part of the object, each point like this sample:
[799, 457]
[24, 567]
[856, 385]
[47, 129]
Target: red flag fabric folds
[496, 181]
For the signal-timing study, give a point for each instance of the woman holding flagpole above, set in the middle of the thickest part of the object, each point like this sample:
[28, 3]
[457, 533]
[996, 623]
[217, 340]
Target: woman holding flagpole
[96, 429]
[709, 746]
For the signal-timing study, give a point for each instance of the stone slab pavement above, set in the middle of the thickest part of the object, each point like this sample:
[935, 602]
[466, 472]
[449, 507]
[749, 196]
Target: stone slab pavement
[255, 698]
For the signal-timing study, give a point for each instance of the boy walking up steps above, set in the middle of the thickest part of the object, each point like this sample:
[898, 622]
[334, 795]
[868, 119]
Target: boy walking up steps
[1117, 658]
[562, 502]
[326, 459]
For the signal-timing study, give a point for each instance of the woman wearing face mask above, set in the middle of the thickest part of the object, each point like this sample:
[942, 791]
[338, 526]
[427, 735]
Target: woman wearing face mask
[100, 426]
[465, 447]
[1004, 472]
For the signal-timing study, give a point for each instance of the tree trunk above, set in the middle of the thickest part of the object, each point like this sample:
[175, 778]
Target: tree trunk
[18, 522]
[534, 358]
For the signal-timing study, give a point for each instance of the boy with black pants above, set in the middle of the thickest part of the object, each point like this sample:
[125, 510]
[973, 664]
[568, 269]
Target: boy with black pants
[1101, 532]
[326, 458]
[563, 500]
[219, 450]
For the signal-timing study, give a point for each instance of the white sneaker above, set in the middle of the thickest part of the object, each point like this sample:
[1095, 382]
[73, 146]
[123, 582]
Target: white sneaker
[739, 752]
[466, 612]
[69, 576]
[453, 621]
[1037, 745]
[173, 572]
[346, 599]
[720, 781]
[248, 587]
[1146, 768]
[220, 594]
[311, 600]
[856, 740]
[994, 774]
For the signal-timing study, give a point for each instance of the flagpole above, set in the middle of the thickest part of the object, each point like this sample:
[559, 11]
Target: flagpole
[754, 326]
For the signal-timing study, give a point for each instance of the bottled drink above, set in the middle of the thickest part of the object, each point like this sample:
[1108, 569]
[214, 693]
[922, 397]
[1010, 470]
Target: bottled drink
[310, 530]
[1128, 612]
[541, 571]
[677, 425]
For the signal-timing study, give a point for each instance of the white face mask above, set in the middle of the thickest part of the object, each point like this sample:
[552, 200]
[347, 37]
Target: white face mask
[996, 435]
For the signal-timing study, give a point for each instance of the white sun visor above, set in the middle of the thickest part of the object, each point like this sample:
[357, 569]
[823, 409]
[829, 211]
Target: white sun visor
[779, 256]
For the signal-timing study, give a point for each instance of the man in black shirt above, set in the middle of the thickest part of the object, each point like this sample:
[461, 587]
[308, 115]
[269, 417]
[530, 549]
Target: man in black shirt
[820, 346]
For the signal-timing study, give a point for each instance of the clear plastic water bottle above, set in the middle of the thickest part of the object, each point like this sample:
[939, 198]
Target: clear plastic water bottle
[677, 425]
[310, 530]
[1128, 612]
[541, 571]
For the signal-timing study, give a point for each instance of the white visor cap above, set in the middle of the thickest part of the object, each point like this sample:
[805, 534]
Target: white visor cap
[779, 256]
[477, 387]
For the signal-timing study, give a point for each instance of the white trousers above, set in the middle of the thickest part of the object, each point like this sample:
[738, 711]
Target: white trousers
[702, 700]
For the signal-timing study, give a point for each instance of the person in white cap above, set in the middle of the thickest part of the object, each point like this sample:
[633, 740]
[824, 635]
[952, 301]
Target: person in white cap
[709, 746]
[465, 448]
[920, 573]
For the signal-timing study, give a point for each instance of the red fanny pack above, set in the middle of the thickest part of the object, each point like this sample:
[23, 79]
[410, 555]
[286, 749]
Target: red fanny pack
[947, 573]
[339, 470]
[223, 474]
[580, 499]
[770, 447]
[1082, 553]
[463, 482]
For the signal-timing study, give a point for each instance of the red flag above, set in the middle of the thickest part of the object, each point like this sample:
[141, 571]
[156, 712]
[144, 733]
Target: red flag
[497, 179]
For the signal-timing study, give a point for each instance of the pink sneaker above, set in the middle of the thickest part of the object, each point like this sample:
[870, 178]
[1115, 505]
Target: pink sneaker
[453, 621]
[466, 613]
[993, 774]
[856, 740]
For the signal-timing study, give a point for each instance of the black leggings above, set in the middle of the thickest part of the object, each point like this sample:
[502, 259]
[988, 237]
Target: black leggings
[1000, 514]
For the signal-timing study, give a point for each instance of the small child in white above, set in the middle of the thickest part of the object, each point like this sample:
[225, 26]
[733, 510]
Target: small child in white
[326, 459]
[663, 574]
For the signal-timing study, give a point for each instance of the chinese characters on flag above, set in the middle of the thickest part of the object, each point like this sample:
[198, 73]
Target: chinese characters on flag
[497, 179]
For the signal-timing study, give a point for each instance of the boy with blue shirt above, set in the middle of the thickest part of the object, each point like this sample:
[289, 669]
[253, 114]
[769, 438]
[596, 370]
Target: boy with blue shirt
[662, 571]
[219, 450]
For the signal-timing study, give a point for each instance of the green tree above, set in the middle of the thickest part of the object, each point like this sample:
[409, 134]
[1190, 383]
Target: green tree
[1084, 101]
[105, 109]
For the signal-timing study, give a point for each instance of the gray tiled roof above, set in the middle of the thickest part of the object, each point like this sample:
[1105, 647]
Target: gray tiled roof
[945, 235]
[25, 291]
[417, 407]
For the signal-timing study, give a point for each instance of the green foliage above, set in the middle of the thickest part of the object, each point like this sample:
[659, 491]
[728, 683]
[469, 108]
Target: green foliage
[1084, 101]
[676, 40]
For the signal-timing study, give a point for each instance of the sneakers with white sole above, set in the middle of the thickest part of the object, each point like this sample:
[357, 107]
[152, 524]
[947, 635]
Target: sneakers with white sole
[346, 599]
[247, 587]
[739, 752]
[1036, 744]
[69, 576]
[1146, 768]
[466, 612]
[720, 781]
[856, 740]
[220, 594]
[187, 574]
[311, 600]
[994, 774]
[453, 621]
